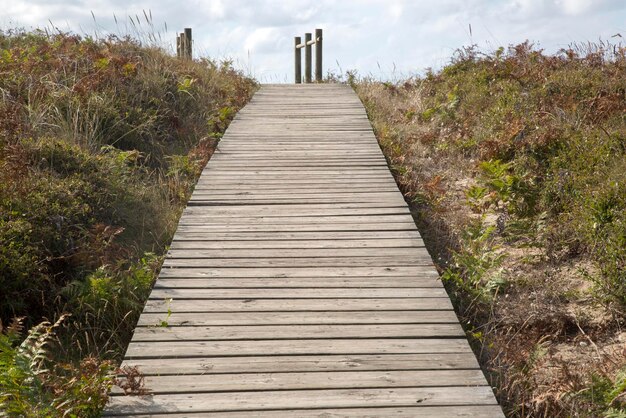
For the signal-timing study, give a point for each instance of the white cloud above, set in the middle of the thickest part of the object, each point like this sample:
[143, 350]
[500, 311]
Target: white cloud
[385, 38]
[262, 40]
[574, 7]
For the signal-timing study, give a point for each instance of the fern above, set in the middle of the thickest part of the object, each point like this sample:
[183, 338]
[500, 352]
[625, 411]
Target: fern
[22, 368]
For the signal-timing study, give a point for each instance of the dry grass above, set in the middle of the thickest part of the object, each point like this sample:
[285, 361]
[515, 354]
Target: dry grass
[514, 164]
[101, 143]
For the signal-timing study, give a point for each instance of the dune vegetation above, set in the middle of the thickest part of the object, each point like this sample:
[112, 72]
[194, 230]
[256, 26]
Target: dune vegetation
[101, 142]
[515, 164]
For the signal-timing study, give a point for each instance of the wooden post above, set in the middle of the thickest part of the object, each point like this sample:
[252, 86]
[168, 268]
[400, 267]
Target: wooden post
[183, 44]
[298, 60]
[318, 55]
[307, 58]
[178, 46]
[188, 40]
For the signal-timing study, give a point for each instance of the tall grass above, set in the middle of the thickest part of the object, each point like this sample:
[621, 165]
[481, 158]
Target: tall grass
[515, 162]
[101, 141]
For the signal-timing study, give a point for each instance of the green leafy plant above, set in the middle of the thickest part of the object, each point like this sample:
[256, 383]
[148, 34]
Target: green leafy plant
[536, 142]
[101, 142]
[33, 385]
[165, 322]
[473, 268]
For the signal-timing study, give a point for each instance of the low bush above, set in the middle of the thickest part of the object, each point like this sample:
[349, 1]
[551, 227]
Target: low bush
[515, 164]
[101, 142]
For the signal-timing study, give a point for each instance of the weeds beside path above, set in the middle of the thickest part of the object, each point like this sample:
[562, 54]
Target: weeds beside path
[516, 166]
[101, 142]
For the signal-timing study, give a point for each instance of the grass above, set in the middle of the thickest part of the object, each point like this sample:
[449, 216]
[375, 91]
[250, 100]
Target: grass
[515, 162]
[101, 142]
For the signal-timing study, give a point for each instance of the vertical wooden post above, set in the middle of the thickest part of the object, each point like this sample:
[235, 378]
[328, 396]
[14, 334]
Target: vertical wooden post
[307, 58]
[298, 60]
[183, 44]
[188, 43]
[178, 46]
[318, 55]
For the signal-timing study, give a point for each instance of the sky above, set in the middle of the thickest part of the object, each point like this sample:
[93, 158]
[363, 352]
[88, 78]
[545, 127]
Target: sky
[388, 39]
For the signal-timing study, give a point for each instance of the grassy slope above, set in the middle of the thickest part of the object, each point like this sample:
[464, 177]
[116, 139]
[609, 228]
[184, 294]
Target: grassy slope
[100, 145]
[516, 164]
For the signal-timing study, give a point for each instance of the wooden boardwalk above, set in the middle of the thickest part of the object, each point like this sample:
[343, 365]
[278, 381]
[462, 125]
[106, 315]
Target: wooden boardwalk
[298, 283]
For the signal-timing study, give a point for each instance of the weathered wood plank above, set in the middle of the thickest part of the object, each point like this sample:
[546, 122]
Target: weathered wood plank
[374, 261]
[384, 226]
[302, 399]
[207, 383]
[293, 235]
[291, 271]
[287, 206]
[300, 220]
[462, 411]
[293, 211]
[300, 244]
[175, 349]
[304, 305]
[270, 183]
[289, 332]
[315, 293]
[305, 282]
[303, 200]
[304, 363]
[295, 253]
[302, 318]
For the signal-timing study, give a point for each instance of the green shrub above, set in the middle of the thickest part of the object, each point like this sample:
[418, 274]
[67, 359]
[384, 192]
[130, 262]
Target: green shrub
[34, 386]
[474, 267]
[108, 303]
[536, 145]
[101, 142]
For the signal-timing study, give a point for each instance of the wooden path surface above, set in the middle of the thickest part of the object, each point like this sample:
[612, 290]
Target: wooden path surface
[298, 283]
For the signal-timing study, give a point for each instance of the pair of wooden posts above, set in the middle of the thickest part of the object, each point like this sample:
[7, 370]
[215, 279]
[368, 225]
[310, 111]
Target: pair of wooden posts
[183, 44]
[308, 42]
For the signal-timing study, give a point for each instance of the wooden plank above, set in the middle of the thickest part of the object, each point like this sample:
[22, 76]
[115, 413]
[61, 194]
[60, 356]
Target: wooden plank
[414, 260]
[294, 211]
[288, 305]
[295, 172]
[383, 226]
[294, 253]
[320, 195]
[303, 200]
[296, 185]
[382, 172]
[462, 411]
[289, 332]
[293, 235]
[291, 272]
[175, 349]
[299, 220]
[315, 207]
[302, 399]
[304, 318]
[287, 187]
[208, 383]
[292, 244]
[304, 363]
[299, 182]
[265, 149]
[304, 282]
[269, 182]
[425, 292]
